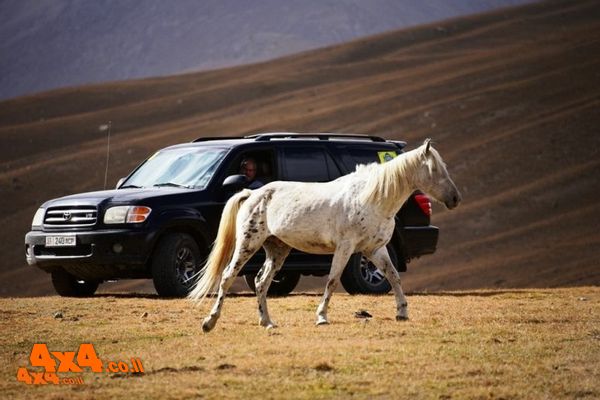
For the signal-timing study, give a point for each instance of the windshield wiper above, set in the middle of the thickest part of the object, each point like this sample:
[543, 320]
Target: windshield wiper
[130, 186]
[171, 184]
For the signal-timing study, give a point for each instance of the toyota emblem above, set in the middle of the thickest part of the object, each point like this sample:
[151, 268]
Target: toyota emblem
[67, 216]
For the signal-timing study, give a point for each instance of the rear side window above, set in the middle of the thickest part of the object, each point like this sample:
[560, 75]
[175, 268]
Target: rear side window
[361, 156]
[354, 156]
[306, 164]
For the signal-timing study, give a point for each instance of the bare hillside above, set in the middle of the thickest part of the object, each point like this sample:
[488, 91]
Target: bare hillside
[68, 43]
[510, 97]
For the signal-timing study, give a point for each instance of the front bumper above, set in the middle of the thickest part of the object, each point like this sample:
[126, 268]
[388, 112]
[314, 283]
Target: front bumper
[101, 254]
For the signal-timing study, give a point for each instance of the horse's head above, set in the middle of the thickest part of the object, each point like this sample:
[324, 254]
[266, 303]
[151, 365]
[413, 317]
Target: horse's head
[432, 177]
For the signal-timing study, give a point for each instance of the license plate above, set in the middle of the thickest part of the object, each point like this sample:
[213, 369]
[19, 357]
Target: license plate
[60, 241]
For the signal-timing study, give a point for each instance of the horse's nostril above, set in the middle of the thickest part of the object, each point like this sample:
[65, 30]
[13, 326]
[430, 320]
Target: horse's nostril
[455, 200]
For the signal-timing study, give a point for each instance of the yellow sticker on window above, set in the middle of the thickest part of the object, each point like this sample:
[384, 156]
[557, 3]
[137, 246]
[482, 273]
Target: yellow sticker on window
[385, 156]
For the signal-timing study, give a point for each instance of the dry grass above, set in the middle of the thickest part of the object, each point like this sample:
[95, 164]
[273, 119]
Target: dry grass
[483, 344]
[510, 97]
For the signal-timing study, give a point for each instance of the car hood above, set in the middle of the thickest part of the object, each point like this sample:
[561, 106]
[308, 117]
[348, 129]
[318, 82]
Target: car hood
[118, 196]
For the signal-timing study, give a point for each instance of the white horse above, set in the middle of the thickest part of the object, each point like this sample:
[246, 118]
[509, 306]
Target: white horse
[354, 213]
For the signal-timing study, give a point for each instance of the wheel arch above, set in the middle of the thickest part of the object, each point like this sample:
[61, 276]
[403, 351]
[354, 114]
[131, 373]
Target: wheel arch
[195, 228]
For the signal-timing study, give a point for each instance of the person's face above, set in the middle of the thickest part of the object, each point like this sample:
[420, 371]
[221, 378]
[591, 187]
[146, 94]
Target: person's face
[249, 169]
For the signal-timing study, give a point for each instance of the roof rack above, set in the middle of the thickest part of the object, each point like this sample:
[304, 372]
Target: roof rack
[264, 137]
[400, 143]
[206, 139]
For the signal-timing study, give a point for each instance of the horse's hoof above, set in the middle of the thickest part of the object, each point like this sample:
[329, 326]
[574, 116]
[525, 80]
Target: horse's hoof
[401, 318]
[268, 325]
[322, 321]
[207, 325]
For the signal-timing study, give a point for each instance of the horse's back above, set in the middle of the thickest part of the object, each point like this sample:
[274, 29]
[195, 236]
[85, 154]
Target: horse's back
[308, 216]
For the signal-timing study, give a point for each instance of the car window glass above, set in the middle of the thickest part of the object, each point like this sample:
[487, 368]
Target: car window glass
[363, 156]
[185, 167]
[305, 164]
[265, 162]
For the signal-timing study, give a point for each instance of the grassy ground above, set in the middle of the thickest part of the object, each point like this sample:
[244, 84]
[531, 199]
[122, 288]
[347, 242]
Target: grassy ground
[483, 344]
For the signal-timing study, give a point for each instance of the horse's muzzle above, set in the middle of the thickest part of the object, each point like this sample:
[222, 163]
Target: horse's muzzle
[454, 201]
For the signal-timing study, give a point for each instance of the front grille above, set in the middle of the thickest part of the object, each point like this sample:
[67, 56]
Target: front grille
[70, 216]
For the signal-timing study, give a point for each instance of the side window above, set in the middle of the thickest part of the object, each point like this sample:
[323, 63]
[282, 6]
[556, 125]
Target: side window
[264, 163]
[306, 164]
[353, 156]
[361, 156]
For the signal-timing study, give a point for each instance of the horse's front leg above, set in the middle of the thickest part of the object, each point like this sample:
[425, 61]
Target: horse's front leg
[382, 261]
[276, 253]
[340, 259]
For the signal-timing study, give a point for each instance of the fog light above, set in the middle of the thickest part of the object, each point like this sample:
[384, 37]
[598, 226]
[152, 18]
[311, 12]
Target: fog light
[117, 248]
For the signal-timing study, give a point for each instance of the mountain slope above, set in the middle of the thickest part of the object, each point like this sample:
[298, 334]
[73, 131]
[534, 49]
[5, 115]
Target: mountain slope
[65, 43]
[510, 97]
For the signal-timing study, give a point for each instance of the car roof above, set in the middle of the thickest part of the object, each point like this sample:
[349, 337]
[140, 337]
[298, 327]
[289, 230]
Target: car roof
[234, 141]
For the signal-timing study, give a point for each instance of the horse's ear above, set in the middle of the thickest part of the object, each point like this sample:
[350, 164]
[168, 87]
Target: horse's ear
[427, 144]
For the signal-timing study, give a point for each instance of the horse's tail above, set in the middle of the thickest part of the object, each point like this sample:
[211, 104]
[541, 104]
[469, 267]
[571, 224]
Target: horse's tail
[222, 250]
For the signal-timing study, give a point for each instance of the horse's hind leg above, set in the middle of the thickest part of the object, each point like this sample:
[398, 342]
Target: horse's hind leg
[382, 261]
[244, 249]
[340, 259]
[276, 252]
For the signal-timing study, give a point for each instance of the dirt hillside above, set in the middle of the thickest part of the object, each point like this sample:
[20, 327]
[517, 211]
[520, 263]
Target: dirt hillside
[109, 40]
[510, 97]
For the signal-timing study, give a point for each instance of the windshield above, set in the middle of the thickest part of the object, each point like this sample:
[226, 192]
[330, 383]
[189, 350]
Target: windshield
[184, 167]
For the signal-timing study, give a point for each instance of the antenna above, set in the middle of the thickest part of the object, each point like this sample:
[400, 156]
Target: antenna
[106, 128]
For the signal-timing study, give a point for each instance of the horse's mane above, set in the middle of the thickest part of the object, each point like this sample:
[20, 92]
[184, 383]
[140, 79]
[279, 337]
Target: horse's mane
[386, 182]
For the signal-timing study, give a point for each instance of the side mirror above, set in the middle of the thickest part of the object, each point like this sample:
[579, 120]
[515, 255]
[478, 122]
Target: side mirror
[119, 183]
[234, 183]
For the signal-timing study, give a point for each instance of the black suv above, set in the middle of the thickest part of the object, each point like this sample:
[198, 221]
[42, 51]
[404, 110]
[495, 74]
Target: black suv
[161, 220]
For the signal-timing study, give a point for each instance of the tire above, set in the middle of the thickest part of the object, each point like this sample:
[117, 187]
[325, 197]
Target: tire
[362, 277]
[68, 285]
[175, 263]
[283, 283]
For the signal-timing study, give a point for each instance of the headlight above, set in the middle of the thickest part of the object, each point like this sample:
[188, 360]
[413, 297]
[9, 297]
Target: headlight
[126, 214]
[38, 218]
